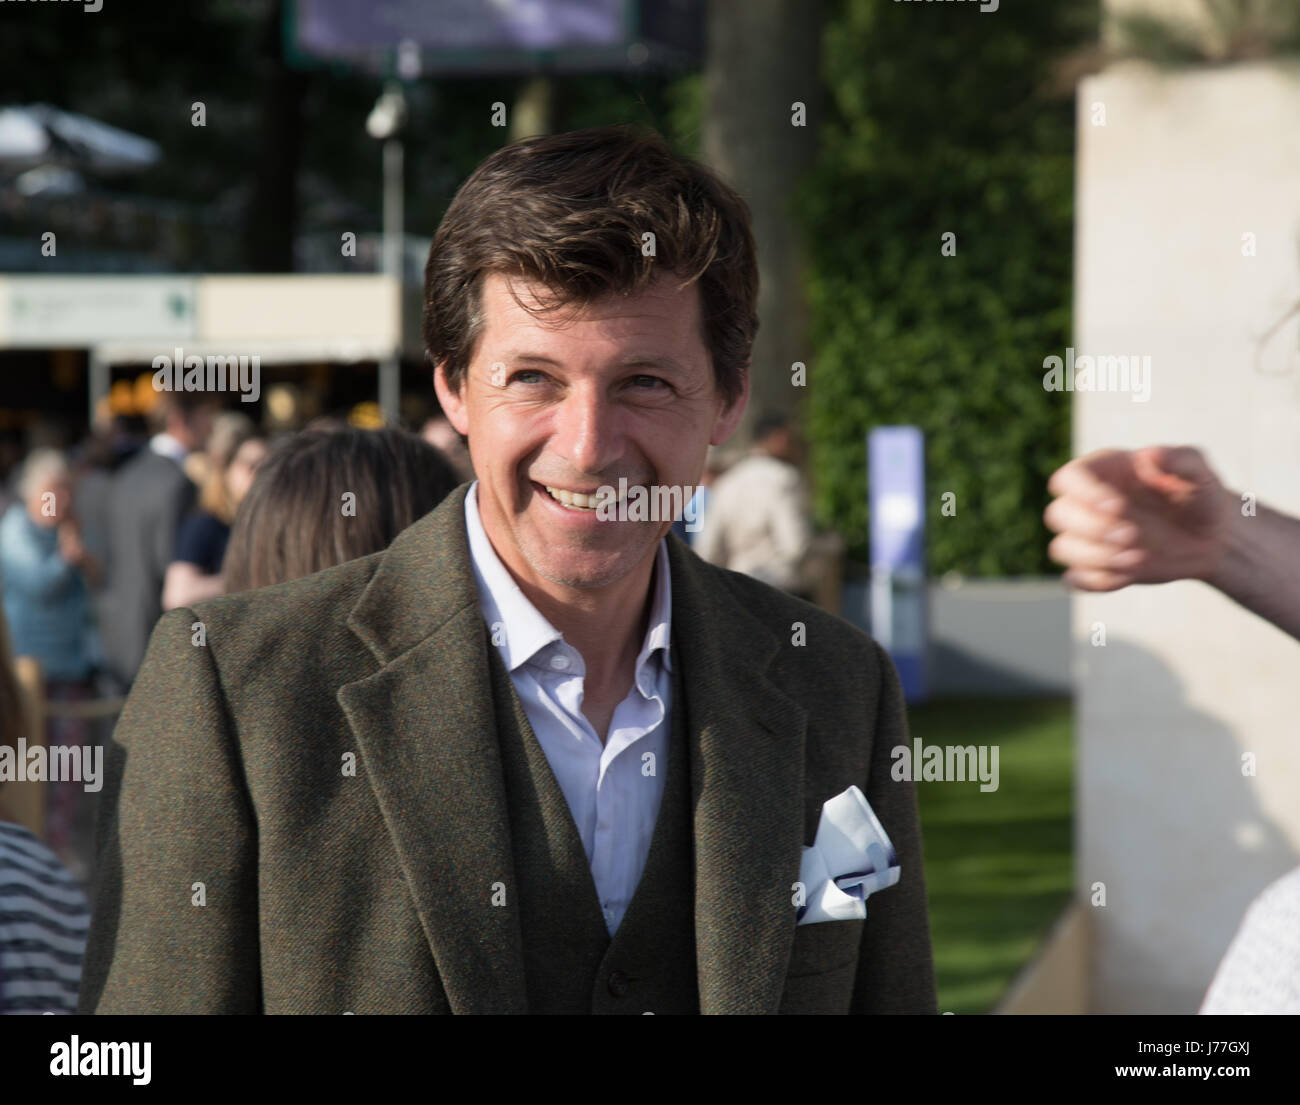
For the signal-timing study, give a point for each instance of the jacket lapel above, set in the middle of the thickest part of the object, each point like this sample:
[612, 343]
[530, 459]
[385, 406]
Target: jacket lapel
[747, 767]
[426, 732]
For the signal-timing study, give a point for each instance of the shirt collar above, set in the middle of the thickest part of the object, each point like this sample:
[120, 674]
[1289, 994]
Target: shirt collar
[165, 445]
[527, 630]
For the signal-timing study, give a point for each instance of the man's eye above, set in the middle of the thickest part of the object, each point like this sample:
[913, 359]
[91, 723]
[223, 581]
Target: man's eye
[525, 372]
[650, 380]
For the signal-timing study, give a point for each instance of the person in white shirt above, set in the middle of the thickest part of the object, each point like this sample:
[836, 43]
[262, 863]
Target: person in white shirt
[147, 499]
[758, 521]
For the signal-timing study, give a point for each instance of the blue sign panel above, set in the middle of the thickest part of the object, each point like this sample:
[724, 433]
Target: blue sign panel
[896, 495]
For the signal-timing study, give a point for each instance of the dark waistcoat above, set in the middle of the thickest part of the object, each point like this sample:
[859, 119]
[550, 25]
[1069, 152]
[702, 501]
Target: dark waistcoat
[570, 963]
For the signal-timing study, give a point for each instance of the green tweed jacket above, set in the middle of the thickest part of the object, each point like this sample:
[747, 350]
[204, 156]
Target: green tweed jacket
[305, 809]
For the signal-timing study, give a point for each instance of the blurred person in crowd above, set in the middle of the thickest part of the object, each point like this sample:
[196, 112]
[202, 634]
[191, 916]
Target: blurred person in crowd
[113, 440]
[11, 458]
[295, 518]
[149, 496]
[759, 519]
[46, 567]
[235, 449]
[44, 916]
[1161, 514]
[93, 470]
[528, 758]
[442, 435]
[46, 571]
[14, 712]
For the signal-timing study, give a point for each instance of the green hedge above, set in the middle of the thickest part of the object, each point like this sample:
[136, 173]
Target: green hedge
[938, 119]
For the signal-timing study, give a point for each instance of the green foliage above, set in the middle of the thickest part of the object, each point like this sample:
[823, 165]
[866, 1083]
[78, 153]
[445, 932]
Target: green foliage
[666, 102]
[936, 122]
[998, 864]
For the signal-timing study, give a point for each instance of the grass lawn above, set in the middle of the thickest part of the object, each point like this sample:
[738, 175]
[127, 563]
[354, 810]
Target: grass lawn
[998, 864]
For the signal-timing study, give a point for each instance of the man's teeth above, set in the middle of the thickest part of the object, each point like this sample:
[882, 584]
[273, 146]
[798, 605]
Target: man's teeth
[576, 499]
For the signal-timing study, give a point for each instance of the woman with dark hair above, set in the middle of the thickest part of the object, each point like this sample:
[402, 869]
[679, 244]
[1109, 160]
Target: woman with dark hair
[323, 497]
[235, 449]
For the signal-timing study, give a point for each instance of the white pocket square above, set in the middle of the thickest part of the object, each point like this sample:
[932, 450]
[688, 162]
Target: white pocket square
[851, 858]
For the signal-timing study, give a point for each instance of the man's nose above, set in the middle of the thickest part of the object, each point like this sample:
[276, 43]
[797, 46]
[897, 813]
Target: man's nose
[587, 431]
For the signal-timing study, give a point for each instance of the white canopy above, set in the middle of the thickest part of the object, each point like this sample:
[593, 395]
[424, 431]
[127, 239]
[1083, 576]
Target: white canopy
[41, 135]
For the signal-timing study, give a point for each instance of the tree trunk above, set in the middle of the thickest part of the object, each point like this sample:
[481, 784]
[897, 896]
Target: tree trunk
[763, 57]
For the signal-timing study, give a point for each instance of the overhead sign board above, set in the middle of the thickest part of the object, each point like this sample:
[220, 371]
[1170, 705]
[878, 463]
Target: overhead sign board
[61, 312]
[412, 38]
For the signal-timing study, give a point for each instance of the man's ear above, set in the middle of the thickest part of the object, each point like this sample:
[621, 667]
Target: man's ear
[729, 416]
[451, 401]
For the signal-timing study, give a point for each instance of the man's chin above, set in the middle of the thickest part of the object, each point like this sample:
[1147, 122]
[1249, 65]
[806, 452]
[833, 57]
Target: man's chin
[587, 569]
[584, 577]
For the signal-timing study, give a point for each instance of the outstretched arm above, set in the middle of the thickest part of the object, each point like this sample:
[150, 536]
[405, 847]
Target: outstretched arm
[1159, 514]
[1260, 565]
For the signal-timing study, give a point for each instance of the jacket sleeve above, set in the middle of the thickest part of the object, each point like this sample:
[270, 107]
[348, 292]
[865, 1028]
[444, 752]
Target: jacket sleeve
[895, 961]
[174, 927]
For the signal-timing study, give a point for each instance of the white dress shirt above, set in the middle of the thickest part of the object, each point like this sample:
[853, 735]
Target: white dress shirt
[613, 791]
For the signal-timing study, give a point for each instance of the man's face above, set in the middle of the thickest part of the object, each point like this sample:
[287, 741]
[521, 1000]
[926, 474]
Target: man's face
[624, 389]
[50, 512]
[243, 468]
[786, 444]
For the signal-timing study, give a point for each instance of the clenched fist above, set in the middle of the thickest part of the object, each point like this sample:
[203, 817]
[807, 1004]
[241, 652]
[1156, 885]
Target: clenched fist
[1146, 516]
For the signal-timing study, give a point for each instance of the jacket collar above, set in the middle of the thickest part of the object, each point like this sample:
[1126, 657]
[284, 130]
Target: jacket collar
[425, 728]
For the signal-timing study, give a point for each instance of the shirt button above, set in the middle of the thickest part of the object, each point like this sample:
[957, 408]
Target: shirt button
[559, 663]
[618, 983]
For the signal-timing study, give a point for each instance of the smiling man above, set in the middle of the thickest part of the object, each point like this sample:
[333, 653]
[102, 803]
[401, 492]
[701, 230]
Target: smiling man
[621, 395]
[531, 758]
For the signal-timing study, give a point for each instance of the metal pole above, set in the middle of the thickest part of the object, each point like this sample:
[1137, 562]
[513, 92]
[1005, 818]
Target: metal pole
[390, 370]
[393, 202]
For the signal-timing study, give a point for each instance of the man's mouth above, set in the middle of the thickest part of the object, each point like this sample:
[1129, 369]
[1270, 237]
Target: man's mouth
[578, 500]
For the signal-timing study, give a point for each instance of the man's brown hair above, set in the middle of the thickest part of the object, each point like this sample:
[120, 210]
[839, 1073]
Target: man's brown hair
[571, 211]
